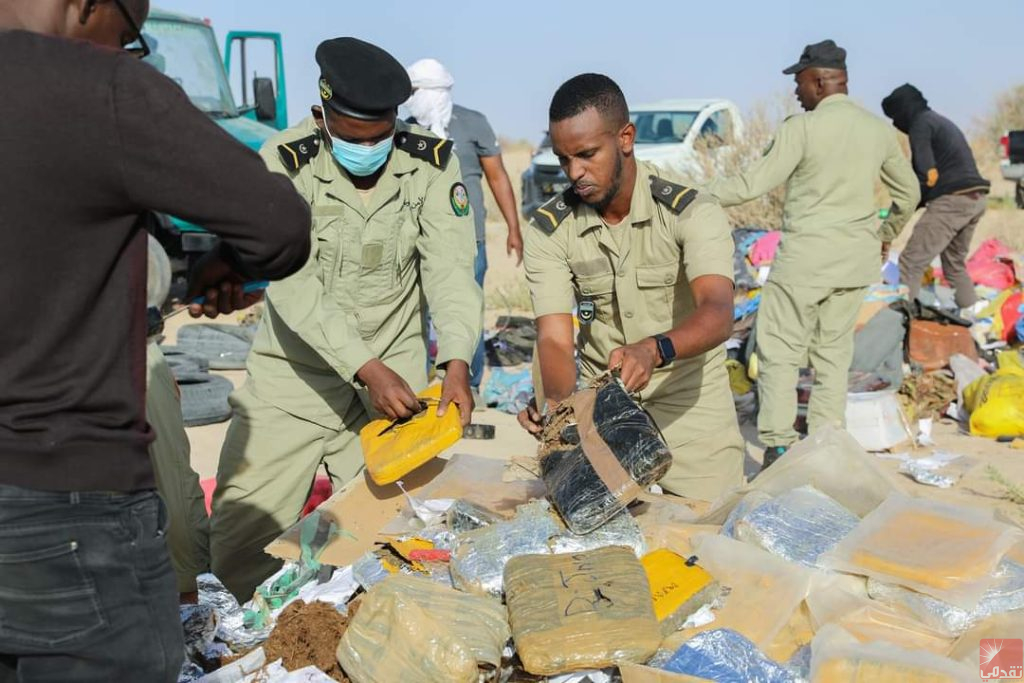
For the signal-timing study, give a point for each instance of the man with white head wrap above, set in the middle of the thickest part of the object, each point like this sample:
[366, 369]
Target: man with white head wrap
[479, 154]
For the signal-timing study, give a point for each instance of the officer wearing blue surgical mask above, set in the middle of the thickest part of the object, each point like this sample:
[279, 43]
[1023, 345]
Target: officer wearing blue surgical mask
[342, 342]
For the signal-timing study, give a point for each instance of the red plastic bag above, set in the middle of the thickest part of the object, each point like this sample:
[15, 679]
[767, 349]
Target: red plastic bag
[987, 266]
[1011, 313]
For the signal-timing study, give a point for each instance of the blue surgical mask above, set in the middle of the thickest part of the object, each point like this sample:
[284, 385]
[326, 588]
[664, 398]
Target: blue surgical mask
[360, 160]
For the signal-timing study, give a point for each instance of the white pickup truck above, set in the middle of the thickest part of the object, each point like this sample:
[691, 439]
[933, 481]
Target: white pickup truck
[1011, 161]
[666, 134]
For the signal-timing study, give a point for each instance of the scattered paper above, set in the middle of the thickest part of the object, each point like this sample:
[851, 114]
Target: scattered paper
[941, 469]
[430, 512]
[702, 617]
[924, 432]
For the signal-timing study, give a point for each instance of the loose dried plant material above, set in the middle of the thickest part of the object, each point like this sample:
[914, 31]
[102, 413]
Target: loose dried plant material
[947, 551]
[307, 634]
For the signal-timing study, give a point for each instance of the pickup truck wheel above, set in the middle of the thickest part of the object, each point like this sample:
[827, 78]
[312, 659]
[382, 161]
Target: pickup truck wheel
[204, 399]
[1019, 194]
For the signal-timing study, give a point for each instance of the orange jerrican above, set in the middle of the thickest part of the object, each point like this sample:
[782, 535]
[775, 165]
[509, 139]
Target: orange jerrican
[392, 450]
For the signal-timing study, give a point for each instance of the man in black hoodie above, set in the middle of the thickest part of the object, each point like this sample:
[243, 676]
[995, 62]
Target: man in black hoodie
[951, 188]
[93, 140]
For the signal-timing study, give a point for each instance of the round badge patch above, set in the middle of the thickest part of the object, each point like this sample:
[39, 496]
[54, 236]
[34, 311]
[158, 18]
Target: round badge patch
[460, 200]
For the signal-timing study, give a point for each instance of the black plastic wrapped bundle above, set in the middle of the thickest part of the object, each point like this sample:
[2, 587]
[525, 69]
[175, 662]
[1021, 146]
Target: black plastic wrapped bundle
[599, 450]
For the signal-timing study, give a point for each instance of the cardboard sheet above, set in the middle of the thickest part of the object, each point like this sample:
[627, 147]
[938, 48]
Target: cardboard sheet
[364, 509]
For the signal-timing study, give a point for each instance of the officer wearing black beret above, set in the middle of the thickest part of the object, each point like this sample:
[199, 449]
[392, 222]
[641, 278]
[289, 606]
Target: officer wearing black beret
[342, 341]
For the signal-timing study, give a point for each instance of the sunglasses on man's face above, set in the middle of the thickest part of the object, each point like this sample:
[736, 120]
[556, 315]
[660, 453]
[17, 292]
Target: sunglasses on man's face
[139, 48]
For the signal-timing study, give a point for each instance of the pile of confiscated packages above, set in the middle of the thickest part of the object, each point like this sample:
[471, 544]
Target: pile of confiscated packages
[572, 567]
[903, 369]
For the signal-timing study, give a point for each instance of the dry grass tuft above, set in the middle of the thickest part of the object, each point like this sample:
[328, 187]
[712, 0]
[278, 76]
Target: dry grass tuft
[759, 125]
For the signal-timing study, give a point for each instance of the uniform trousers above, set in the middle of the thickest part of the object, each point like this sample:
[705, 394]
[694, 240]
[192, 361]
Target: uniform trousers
[796, 324]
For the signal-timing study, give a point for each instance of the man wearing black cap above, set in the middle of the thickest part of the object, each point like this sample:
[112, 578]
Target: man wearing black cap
[342, 340]
[951, 187]
[829, 159]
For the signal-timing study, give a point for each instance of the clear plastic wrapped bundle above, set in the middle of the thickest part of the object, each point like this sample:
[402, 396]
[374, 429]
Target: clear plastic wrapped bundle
[726, 656]
[800, 525]
[465, 516]
[746, 504]
[599, 449]
[621, 530]
[1007, 595]
[413, 630]
[479, 558]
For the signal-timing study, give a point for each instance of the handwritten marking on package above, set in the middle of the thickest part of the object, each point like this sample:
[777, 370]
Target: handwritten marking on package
[587, 599]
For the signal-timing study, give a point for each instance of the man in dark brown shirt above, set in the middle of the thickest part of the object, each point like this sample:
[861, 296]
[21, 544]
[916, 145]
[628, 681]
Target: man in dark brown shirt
[92, 140]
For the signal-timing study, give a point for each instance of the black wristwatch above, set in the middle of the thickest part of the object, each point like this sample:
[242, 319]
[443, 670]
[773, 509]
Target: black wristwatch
[665, 349]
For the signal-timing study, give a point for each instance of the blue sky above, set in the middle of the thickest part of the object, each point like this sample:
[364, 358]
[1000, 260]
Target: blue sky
[508, 58]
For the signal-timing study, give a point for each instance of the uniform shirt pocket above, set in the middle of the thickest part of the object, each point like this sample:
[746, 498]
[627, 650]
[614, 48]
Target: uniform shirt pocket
[327, 234]
[657, 285]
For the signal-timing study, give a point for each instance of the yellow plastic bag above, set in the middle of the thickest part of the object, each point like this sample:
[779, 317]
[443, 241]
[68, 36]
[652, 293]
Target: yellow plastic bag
[393, 448]
[996, 402]
[678, 588]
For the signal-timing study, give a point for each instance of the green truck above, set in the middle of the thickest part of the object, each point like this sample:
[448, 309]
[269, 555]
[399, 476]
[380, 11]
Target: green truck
[185, 50]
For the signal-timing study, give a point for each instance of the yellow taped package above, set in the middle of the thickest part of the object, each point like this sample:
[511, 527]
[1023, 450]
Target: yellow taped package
[678, 588]
[580, 611]
[392, 448]
[947, 551]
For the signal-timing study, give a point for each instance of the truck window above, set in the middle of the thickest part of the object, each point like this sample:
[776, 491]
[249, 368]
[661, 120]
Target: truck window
[721, 122]
[187, 54]
[659, 127]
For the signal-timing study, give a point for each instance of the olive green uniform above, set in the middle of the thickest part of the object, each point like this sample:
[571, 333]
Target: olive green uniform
[830, 159]
[376, 256]
[188, 529]
[636, 278]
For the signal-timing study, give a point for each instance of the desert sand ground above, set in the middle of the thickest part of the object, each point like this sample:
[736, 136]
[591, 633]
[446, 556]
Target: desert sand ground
[506, 292]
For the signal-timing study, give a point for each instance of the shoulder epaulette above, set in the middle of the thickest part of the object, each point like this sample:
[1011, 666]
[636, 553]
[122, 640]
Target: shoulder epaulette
[435, 151]
[549, 215]
[297, 154]
[675, 197]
